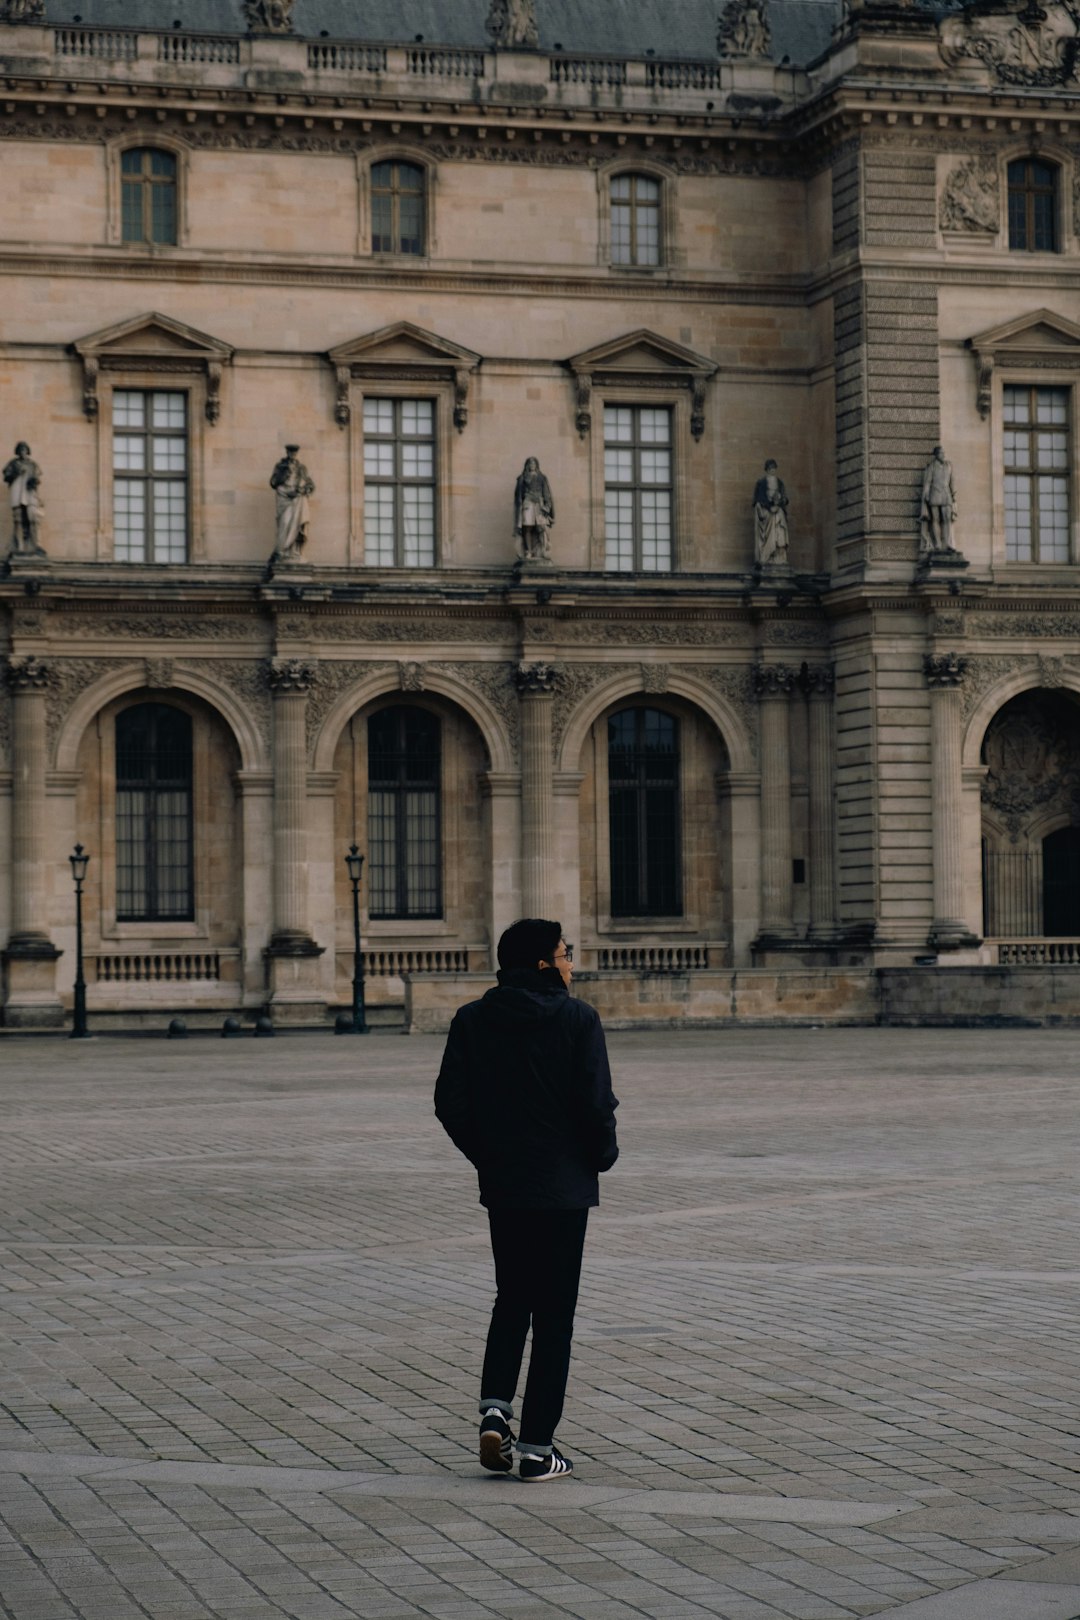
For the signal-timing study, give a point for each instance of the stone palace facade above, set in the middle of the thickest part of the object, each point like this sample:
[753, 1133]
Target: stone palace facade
[389, 419]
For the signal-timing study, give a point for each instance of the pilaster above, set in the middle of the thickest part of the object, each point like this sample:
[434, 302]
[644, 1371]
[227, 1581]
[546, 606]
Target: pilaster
[30, 956]
[773, 686]
[945, 676]
[292, 955]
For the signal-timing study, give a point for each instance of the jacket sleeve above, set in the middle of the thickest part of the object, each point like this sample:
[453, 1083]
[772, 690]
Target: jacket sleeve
[454, 1101]
[599, 1101]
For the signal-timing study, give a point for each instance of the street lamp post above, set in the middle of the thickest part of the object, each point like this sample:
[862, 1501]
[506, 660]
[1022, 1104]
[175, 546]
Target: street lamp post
[79, 862]
[355, 863]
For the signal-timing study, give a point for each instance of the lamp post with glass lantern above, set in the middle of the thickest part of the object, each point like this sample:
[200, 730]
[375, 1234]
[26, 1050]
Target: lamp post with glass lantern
[355, 863]
[79, 862]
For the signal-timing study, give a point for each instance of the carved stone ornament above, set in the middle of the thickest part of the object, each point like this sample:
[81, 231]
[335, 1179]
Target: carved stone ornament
[743, 29]
[773, 680]
[971, 198]
[537, 680]
[28, 675]
[582, 403]
[288, 675]
[269, 16]
[1032, 45]
[159, 672]
[1032, 754]
[817, 680]
[655, 677]
[511, 24]
[1051, 670]
[22, 11]
[944, 669]
[411, 676]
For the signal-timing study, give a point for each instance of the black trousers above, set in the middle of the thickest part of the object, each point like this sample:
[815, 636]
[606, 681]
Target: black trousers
[537, 1270]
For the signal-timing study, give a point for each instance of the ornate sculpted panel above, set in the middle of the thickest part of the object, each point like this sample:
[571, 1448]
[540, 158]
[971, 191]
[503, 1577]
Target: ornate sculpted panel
[1033, 44]
[70, 677]
[497, 684]
[577, 681]
[971, 197]
[331, 679]
[247, 678]
[983, 673]
[1026, 624]
[735, 683]
[1032, 753]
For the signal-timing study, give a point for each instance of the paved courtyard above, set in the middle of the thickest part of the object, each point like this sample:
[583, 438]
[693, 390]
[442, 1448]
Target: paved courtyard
[827, 1358]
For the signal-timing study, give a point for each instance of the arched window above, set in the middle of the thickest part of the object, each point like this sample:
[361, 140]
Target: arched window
[154, 866]
[148, 195]
[635, 219]
[404, 844]
[397, 207]
[643, 798]
[1033, 205]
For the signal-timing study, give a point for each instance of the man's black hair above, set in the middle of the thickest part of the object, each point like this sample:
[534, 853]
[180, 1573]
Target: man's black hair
[529, 941]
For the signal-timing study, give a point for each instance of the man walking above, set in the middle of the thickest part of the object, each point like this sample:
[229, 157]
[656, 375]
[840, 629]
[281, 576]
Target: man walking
[525, 1092]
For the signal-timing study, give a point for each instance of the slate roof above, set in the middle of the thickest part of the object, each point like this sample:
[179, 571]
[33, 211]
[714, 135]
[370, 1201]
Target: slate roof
[801, 29]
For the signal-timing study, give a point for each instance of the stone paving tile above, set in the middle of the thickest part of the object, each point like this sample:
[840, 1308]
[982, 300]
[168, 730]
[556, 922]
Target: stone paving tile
[825, 1364]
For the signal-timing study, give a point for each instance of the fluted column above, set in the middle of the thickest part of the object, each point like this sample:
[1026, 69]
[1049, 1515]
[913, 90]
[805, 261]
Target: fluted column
[536, 688]
[819, 683]
[28, 679]
[290, 682]
[774, 685]
[945, 676]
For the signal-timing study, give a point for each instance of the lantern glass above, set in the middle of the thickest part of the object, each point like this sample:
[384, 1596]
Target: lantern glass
[79, 862]
[355, 862]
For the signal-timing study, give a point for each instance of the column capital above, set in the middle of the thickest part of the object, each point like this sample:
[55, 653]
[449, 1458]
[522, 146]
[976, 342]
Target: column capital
[537, 680]
[817, 680]
[773, 680]
[944, 669]
[288, 676]
[28, 674]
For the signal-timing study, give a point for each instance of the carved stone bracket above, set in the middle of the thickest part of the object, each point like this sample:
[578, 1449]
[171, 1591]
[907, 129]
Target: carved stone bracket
[342, 407]
[582, 403]
[159, 672]
[213, 391]
[773, 680]
[697, 406]
[461, 398]
[28, 675]
[944, 669]
[290, 675]
[537, 680]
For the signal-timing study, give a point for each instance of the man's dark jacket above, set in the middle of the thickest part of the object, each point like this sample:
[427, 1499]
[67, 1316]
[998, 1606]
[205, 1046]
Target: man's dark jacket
[525, 1092]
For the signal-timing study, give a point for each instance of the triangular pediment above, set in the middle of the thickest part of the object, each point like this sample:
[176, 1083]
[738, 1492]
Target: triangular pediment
[642, 351]
[1042, 329]
[153, 335]
[403, 344]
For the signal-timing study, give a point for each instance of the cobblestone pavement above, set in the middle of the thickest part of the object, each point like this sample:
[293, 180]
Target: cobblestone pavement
[826, 1361]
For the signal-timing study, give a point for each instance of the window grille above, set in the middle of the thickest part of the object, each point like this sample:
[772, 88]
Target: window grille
[150, 476]
[404, 836]
[637, 488]
[1032, 187]
[148, 196]
[1037, 517]
[635, 220]
[643, 799]
[397, 208]
[399, 482]
[154, 860]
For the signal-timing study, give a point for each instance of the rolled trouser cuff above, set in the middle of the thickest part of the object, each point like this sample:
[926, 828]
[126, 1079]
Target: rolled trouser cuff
[523, 1450]
[504, 1407]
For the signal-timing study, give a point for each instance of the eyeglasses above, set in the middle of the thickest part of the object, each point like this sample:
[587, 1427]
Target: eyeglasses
[565, 955]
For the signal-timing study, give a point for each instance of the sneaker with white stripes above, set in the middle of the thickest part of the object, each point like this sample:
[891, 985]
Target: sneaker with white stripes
[496, 1442]
[534, 1467]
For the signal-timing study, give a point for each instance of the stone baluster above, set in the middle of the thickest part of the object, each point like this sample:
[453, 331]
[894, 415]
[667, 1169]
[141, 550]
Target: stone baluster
[819, 684]
[290, 682]
[945, 677]
[28, 679]
[536, 685]
[773, 685]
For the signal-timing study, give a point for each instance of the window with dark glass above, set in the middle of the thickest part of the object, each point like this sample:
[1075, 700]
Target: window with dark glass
[1032, 186]
[150, 487]
[637, 488]
[399, 482]
[635, 220]
[154, 865]
[643, 797]
[1036, 427]
[397, 207]
[404, 814]
[148, 195]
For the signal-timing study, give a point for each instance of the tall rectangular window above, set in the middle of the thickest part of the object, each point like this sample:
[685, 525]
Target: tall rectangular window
[403, 813]
[635, 220]
[1036, 474]
[637, 488]
[148, 196]
[399, 482]
[397, 207]
[154, 815]
[643, 807]
[150, 476]
[1032, 188]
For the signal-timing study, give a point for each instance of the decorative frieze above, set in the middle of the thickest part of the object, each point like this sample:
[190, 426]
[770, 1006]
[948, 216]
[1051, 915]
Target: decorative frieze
[1022, 625]
[159, 627]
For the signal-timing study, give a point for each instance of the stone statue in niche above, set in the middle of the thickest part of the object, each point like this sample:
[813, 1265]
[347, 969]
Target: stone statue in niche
[534, 513]
[937, 508]
[743, 29]
[512, 23]
[22, 475]
[292, 484]
[770, 519]
[269, 16]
